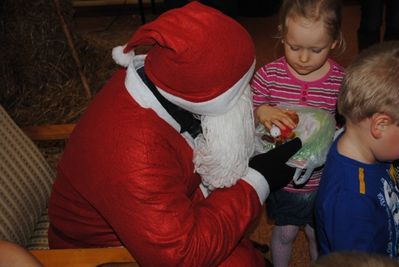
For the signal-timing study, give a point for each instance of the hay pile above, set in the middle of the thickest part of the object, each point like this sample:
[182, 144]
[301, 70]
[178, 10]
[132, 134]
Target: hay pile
[39, 78]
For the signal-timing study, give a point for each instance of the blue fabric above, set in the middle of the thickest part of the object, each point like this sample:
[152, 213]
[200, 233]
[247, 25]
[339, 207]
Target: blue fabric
[346, 218]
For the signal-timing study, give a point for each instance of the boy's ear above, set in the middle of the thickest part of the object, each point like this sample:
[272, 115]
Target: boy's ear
[378, 124]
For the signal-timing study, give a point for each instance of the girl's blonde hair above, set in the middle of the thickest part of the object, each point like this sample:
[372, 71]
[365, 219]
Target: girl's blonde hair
[371, 84]
[327, 10]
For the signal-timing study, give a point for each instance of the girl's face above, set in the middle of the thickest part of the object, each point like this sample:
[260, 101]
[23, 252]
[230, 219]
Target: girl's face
[307, 45]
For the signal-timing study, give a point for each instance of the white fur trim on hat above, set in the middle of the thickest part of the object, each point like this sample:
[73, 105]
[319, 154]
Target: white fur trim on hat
[218, 105]
[122, 58]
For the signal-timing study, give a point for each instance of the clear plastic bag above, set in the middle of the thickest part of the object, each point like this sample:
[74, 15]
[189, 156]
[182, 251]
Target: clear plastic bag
[316, 129]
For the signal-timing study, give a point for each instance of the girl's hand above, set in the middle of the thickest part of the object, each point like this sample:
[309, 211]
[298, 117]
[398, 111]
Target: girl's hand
[282, 118]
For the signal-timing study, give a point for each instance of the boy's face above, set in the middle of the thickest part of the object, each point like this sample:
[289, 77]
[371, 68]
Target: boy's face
[387, 148]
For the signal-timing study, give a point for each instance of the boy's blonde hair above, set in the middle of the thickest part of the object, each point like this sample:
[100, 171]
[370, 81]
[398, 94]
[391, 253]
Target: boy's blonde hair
[329, 11]
[371, 84]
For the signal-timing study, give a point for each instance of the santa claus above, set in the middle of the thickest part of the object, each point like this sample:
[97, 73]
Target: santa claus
[159, 162]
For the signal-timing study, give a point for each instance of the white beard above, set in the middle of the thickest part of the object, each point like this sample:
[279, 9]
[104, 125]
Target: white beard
[222, 151]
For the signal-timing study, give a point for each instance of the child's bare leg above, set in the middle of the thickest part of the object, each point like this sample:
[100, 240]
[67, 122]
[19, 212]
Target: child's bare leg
[282, 241]
[310, 234]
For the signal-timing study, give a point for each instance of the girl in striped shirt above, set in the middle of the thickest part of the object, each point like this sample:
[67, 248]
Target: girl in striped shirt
[305, 76]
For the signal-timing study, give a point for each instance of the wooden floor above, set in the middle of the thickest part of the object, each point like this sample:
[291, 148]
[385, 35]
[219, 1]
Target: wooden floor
[115, 31]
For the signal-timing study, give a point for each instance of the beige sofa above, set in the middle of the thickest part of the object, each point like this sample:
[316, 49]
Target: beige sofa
[26, 179]
[25, 184]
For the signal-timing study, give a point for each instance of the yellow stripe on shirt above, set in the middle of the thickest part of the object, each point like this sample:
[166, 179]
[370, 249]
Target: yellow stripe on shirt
[393, 174]
[362, 185]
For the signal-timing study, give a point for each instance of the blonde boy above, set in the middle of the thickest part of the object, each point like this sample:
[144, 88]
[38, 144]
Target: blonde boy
[357, 207]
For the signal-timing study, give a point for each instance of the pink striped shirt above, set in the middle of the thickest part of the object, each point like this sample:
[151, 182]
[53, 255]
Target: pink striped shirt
[274, 84]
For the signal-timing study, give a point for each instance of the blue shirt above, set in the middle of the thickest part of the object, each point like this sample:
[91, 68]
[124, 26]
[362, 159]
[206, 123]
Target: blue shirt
[357, 206]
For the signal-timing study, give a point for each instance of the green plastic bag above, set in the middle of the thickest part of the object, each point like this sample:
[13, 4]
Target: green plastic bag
[316, 128]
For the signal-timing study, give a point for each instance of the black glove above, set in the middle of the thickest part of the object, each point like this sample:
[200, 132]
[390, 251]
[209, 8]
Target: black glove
[272, 164]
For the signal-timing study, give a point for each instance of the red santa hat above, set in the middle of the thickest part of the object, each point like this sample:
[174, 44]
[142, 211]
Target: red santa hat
[200, 59]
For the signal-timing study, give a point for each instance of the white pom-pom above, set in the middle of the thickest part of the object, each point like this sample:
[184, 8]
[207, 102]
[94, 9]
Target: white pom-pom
[120, 57]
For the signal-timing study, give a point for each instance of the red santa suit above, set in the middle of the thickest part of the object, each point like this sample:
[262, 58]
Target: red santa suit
[127, 176]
